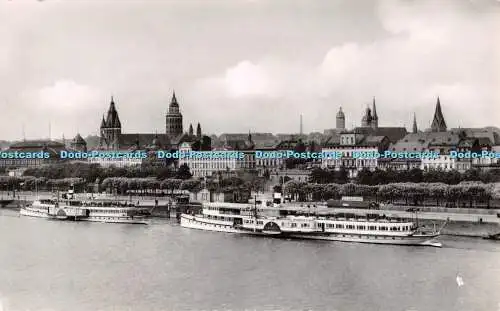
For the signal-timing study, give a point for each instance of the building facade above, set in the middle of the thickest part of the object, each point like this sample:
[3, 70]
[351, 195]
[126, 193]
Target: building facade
[47, 147]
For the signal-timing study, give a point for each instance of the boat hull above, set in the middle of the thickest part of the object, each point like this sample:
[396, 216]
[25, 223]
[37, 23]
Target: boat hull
[191, 222]
[34, 213]
[415, 240]
[111, 220]
[495, 237]
[418, 240]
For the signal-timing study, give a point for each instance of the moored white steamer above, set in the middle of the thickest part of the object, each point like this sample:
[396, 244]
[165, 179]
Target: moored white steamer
[277, 221]
[336, 228]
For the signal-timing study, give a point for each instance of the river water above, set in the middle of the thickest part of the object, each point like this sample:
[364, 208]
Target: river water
[50, 265]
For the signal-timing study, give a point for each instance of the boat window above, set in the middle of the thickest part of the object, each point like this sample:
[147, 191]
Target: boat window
[340, 226]
[361, 227]
[350, 226]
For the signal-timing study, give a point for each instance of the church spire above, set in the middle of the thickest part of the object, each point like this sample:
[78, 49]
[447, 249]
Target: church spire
[198, 130]
[438, 123]
[191, 132]
[112, 119]
[374, 114]
[415, 128]
[103, 122]
[173, 101]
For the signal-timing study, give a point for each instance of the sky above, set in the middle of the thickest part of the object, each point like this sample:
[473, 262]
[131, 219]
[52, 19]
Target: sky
[240, 65]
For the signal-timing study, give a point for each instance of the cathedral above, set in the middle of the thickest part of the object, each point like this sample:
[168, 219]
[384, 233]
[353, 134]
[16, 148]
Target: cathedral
[370, 125]
[370, 119]
[112, 138]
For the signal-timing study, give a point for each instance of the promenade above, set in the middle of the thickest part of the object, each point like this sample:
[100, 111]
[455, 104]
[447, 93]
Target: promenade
[28, 196]
[430, 213]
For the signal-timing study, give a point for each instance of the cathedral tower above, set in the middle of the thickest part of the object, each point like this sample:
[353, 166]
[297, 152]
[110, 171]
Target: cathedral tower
[366, 121]
[173, 122]
[198, 131]
[340, 124]
[111, 128]
[438, 123]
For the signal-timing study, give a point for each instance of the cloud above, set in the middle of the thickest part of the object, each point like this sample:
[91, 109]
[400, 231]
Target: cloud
[65, 96]
[247, 79]
[66, 104]
[431, 48]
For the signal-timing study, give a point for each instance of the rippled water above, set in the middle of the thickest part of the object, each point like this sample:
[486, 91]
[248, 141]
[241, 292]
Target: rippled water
[50, 265]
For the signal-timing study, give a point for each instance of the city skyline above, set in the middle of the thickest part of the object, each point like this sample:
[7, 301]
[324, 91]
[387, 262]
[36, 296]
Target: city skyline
[314, 60]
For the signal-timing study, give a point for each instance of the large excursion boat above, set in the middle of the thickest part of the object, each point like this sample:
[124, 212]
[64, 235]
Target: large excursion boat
[87, 209]
[39, 208]
[280, 221]
[340, 227]
[218, 216]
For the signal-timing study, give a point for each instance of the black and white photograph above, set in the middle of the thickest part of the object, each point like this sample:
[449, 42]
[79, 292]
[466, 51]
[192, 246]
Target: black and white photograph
[249, 155]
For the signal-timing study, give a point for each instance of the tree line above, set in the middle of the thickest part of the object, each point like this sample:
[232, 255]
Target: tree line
[416, 175]
[92, 171]
[125, 184]
[464, 194]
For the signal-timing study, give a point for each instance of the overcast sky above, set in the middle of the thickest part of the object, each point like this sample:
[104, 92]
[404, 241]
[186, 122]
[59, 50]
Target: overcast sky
[239, 65]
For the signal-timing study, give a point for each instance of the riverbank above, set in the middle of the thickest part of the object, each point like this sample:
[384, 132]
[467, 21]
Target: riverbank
[460, 222]
[465, 228]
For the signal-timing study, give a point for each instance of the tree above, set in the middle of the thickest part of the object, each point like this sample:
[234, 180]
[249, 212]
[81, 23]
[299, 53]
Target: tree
[190, 184]
[364, 177]
[415, 175]
[183, 172]
[342, 176]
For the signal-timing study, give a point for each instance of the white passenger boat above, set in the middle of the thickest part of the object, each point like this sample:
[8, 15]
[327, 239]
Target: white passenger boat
[39, 208]
[111, 212]
[218, 216]
[367, 228]
[104, 210]
[69, 208]
[363, 230]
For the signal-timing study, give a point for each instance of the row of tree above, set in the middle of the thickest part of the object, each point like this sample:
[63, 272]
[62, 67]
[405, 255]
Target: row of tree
[31, 183]
[416, 175]
[91, 171]
[437, 194]
[124, 185]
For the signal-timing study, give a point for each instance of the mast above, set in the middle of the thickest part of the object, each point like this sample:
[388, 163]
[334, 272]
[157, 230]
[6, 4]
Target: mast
[416, 216]
[301, 126]
[255, 214]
